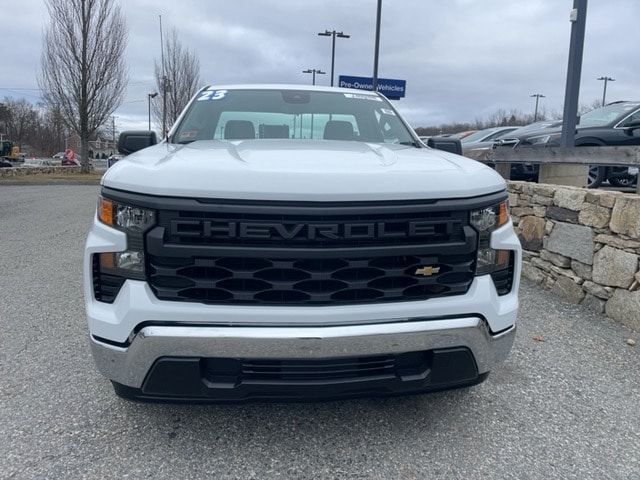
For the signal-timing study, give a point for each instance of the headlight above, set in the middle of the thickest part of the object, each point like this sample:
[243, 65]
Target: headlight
[134, 221]
[125, 217]
[490, 218]
[485, 221]
[544, 139]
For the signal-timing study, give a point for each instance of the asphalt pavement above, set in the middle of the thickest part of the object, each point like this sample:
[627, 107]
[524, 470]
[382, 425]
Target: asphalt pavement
[566, 403]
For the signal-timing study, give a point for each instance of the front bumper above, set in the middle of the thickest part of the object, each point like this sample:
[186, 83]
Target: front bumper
[171, 362]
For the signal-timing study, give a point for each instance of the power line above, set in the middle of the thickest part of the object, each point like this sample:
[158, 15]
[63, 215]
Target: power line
[17, 88]
[16, 92]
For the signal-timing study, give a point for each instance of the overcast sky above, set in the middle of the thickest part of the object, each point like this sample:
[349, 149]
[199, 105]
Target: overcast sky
[462, 59]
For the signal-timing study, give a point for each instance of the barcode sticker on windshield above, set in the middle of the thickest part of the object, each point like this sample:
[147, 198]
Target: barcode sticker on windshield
[363, 97]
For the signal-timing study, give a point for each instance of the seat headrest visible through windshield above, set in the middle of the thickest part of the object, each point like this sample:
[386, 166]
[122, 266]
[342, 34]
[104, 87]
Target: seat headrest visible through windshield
[338, 130]
[239, 130]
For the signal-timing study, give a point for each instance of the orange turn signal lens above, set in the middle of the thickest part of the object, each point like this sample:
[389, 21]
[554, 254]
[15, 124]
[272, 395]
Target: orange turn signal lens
[105, 211]
[502, 259]
[503, 213]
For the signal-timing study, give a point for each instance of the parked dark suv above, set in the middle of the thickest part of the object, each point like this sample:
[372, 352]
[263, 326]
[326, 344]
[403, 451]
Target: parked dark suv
[616, 124]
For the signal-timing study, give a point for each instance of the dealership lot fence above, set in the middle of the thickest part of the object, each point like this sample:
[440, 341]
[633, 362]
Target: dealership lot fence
[574, 160]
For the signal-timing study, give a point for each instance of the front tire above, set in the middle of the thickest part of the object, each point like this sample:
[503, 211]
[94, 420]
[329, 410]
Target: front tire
[595, 176]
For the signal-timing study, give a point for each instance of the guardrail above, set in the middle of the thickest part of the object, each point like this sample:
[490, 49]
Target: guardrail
[503, 157]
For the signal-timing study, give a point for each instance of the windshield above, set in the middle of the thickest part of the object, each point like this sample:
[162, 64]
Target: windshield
[242, 114]
[607, 115]
[487, 134]
[530, 128]
[475, 137]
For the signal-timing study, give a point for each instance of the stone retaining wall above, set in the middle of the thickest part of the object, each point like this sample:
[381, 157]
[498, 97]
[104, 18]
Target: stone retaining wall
[22, 171]
[582, 244]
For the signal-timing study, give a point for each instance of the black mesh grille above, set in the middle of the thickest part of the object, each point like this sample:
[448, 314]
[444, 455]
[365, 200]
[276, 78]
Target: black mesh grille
[293, 255]
[309, 281]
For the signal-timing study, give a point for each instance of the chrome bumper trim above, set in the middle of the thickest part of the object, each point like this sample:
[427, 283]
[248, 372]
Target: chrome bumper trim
[129, 366]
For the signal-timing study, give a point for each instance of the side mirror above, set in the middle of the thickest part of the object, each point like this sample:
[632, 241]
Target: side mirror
[633, 125]
[135, 140]
[447, 144]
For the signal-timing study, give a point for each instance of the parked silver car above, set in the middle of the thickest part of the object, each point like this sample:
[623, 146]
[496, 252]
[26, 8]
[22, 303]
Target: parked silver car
[37, 162]
[483, 139]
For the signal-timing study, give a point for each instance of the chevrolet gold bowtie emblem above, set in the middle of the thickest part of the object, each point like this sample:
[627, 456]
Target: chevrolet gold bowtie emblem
[427, 271]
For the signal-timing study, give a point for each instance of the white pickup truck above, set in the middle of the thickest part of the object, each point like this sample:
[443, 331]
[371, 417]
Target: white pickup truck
[287, 242]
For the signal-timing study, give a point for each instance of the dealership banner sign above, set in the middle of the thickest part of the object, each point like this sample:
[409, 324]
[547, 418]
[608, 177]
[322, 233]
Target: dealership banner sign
[390, 88]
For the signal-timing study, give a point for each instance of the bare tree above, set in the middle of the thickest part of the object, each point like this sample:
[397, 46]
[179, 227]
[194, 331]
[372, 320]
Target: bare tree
[177, 82]
[20, 120]
[4, 116]
[51, 133]
[83, 70]
[582, 109]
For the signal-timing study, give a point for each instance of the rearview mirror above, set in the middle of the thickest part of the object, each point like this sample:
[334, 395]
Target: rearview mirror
[633, 124]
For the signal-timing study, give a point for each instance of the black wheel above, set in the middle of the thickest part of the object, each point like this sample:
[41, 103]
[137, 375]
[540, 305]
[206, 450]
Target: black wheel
[596, 176]
[622, 181]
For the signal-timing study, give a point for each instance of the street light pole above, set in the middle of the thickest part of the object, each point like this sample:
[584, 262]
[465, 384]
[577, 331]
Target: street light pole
[314, 71]
[150, 96]
[535, 113]
[604, 92]
[377, 47]
[164, 84]
[333, 34]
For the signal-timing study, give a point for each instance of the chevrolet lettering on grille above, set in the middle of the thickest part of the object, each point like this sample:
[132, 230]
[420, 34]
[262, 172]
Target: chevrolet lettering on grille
[310, 231]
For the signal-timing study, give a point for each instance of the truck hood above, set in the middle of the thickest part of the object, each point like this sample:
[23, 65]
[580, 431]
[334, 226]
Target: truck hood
[301, 170]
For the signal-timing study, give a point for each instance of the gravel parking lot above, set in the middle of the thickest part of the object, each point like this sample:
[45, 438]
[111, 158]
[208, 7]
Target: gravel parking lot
[566, 404]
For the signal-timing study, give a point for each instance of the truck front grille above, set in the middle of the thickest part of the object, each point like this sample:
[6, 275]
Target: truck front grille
[311, 254]
[285, 281]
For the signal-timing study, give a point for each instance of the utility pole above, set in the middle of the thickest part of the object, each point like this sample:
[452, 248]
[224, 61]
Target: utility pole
[113, 133]
[164, 84]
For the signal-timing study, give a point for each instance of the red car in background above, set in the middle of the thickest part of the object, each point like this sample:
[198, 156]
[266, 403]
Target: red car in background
[70, 158]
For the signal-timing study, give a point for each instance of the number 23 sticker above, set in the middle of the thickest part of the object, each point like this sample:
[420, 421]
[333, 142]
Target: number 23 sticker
[212, 95]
